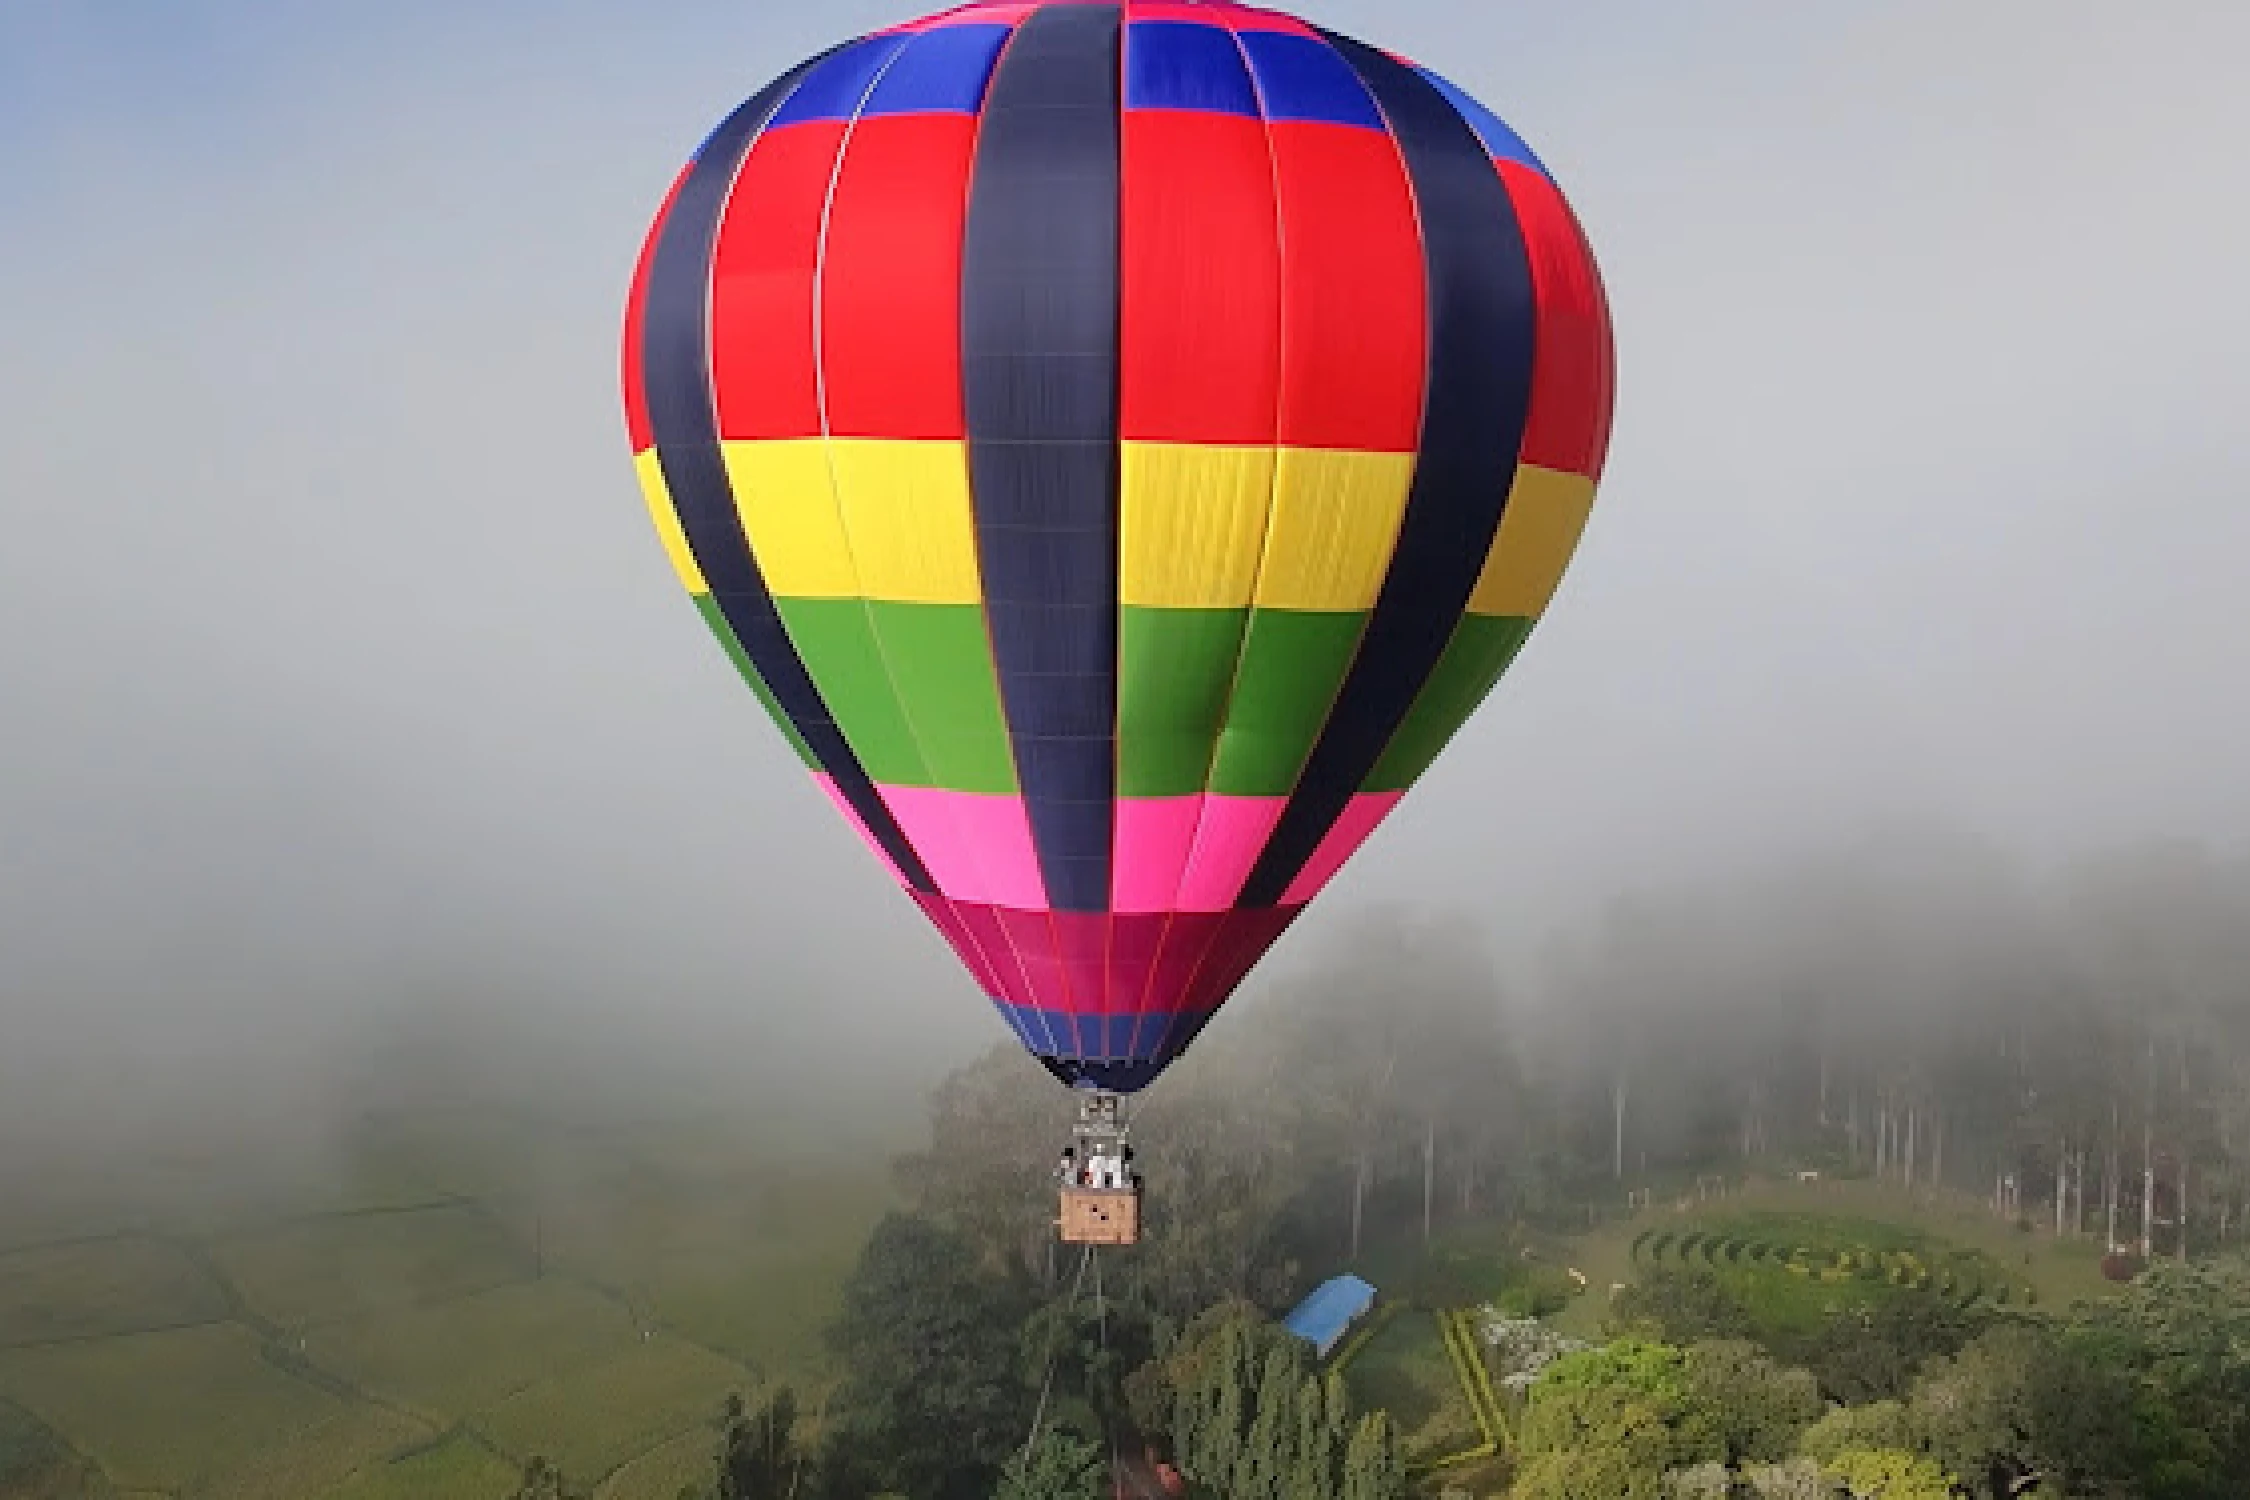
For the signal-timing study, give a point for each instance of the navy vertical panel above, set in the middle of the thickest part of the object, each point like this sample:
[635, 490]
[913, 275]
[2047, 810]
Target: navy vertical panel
[1039, 298]
[1483, 313]
[676, 377]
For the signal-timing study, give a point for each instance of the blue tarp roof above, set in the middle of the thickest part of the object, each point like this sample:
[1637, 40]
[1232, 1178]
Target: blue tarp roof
[1333, 1307]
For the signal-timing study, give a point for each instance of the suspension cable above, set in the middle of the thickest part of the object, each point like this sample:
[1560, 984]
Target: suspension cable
[1101, 1323]
[1054, 1340]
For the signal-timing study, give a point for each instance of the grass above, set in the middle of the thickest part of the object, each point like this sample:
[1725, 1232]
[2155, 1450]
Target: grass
[1607, 1261]
[328, 1453]
[330, 1269]
[1405, 1370]
[475, 1351]
[89, 1289]
[1469, 1266]
[36, 1464]
[1942, 1235]
[166, 1410]
[425, 1316]
[457, 1468]
[751, 1266]
[594, 1421]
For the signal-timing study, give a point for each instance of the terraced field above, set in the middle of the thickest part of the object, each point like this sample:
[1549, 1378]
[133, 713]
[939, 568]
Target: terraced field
[427, 1346]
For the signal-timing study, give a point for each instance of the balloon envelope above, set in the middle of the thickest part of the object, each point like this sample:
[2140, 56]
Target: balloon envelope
[1120, 444]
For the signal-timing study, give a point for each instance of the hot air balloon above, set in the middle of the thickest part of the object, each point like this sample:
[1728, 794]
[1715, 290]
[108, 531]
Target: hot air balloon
[1120, 444]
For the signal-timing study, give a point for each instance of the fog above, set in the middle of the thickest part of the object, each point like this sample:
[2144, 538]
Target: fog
[348, 696]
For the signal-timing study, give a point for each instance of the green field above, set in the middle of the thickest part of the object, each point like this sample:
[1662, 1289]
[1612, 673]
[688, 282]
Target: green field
[36, 1464]
[167, 1410]
[458, 1468]
[86, 1289]
[597, 1420]
[475, 1351]
[337, 1267]
[324, 1455]
[752, 1268]
[1749, 1238]
[422, 1317]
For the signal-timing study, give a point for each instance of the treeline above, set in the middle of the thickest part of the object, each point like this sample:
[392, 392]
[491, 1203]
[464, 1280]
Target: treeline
[2074, 1049]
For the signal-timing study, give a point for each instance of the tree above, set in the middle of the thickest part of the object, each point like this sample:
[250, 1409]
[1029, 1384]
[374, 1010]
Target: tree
[1373, 1467]
[1252, 1420]
[1705, 1481]
[1611, 1422]
[543, 1481]
[760, 1456]
[1678, 1307]
[1890, 1474]
[1745, 1405]
[1877, 1425]
[1057, 1466]
[2016, 1406]
[1872, 1351]
[987, 1175]
[1792, 1479]
[2181, 1335]
[933, 1390]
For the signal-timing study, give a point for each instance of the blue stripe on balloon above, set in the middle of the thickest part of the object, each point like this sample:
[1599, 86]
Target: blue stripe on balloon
[1039, 302]
[1185, 65]
[1303, 78]
[941, 71]
[1483, 319]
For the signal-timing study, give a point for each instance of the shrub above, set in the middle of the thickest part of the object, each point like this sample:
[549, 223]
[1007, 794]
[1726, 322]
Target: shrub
[2121, 1265]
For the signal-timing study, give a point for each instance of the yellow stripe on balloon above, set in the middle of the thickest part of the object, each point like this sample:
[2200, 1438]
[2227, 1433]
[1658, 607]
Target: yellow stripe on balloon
[907, 516]
[1335, 521]
[1191, 520]
[1545, 516]
[858, 518]
[667, 519]
[786, 497]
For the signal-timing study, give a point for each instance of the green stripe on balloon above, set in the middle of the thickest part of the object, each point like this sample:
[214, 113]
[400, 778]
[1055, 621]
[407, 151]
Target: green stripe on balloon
[1480, 651]
[911, 688]
[1174, 669]
[708, 608]
[1293, 661]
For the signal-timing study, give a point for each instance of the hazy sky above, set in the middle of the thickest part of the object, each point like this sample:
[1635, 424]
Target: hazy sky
[338, 660]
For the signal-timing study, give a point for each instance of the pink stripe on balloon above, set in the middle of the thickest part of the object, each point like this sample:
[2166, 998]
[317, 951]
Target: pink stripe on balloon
[1242, 939]
[965, 15]
[1154, 835]
[851, 815]
[982, 924]
[1032, 935]
[1238, 17]
[947, 919]
[1228, 840]
[977, 848]
[1362, 816]
[1082, 940]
